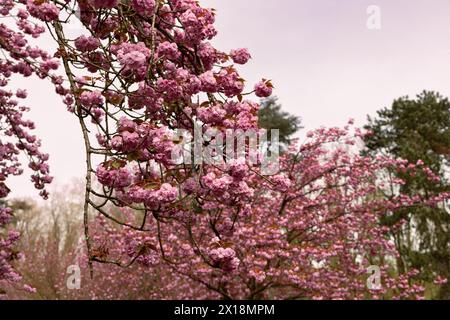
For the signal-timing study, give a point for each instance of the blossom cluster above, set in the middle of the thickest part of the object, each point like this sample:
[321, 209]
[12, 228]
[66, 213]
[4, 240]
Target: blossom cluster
[143, 69]
[20, 58]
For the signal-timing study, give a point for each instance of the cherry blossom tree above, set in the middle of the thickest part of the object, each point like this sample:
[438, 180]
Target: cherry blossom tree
[311, 231]
[16, 136]
[139, 72]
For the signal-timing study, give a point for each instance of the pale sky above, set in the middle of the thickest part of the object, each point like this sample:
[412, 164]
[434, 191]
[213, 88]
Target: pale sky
[326, 65]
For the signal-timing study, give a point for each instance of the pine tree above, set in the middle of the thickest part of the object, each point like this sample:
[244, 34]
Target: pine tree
[418, 129]
[271, 116]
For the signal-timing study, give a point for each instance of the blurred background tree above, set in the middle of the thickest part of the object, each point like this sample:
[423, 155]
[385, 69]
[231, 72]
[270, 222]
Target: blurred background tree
[271, 116]
[52, 239]
[418, 129]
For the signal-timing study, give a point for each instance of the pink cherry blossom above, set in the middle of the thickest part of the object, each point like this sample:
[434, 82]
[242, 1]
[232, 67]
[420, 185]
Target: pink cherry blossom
[143, 7]
[85, 44]
[263, 89]
[143, 69]
[240, 56]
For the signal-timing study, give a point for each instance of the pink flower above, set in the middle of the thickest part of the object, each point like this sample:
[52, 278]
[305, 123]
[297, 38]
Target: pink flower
[116, 178]
[209, 82]
[225, 259]
[133, 57]
[84, 44]
[189, 19]
[193, 85]
[167, 193]
[126, 124]
[263, 89]
[217, 185]
[144, 7]
[208, 54]
[133, 60]
[238, 168]
[168, 50]
[91, 98]
[230, 83]
[240, 56]
[29, 289]
[211, 115]
[281, 182]
[21, 94]
[126, 141]
[440, 281]
[44, 11]
[190, 186]
[107, 4]
[50, 64]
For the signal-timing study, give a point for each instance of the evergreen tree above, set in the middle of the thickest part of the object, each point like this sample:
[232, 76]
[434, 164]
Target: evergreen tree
[418, 129]
[272, 117]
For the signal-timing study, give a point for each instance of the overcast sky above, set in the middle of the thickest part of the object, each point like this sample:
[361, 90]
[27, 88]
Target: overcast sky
[325, 63]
